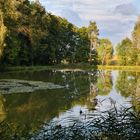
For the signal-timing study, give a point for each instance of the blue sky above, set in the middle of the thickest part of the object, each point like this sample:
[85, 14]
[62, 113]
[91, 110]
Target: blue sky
[115, 18]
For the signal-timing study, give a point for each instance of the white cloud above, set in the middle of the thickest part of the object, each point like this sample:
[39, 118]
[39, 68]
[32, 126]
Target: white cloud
[115, 18]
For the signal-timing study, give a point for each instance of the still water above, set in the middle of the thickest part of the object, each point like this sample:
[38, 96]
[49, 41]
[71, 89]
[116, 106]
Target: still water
[84, 94]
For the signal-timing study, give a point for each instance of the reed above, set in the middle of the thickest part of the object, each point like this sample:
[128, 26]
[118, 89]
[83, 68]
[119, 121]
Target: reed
[113, 124]
[109, 125]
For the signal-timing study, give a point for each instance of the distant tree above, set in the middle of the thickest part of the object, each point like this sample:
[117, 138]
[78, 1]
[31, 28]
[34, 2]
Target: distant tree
[126, 53]
[136, 34]
[105, 51]
[136, 41]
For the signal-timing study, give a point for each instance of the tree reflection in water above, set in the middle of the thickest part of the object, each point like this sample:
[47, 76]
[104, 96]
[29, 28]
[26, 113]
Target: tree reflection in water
[55, 114]
[128, 85]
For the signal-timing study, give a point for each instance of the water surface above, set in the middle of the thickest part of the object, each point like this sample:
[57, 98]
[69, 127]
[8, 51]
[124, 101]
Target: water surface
[85, 94]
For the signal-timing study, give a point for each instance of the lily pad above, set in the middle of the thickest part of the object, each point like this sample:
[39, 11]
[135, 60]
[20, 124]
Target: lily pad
[9, 86]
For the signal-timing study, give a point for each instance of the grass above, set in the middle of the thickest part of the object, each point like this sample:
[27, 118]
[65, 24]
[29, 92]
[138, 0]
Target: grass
[115, 67]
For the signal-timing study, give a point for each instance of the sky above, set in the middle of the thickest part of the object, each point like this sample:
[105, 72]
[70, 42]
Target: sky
[115, 18]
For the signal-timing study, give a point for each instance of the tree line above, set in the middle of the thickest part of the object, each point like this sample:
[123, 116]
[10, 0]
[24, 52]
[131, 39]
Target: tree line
[29, 35]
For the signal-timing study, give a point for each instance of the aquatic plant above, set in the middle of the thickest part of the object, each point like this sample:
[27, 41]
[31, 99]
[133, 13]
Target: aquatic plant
[111, 124]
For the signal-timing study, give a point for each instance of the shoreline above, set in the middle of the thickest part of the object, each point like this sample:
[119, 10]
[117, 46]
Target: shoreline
[51, 67]
[70, 67]
[120, 68]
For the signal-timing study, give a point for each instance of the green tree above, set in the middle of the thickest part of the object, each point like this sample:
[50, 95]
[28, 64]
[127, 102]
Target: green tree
[83, 43]
[35, 37]
[17, 50]
[105, 51]
[93, 33]
[136, 41]
[2, 33]
[126, 53]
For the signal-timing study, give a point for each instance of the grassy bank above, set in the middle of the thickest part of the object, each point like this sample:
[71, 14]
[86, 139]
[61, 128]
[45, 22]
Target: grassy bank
[124, 68]
[70, 66]
[49, 67]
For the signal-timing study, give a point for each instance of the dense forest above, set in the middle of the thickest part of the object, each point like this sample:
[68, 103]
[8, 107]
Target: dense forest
[29, 35]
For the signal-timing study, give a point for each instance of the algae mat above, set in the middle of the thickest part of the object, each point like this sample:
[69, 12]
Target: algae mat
[9, 86]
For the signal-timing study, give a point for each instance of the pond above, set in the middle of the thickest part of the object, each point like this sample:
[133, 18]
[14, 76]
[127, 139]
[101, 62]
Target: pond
[88, 105]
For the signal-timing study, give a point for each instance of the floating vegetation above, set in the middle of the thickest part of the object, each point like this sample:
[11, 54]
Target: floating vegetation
[9, 86]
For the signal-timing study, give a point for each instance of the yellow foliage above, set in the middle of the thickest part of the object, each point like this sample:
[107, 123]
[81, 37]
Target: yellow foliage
[2, 33]
[136, 34]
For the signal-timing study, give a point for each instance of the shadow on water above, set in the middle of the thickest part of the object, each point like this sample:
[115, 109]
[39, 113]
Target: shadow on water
[93, 105]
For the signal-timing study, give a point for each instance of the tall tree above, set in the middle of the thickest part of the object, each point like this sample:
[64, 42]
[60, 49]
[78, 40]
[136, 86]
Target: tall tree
[136, 41]
[93, 33]
[83, 43]
[2, 33]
